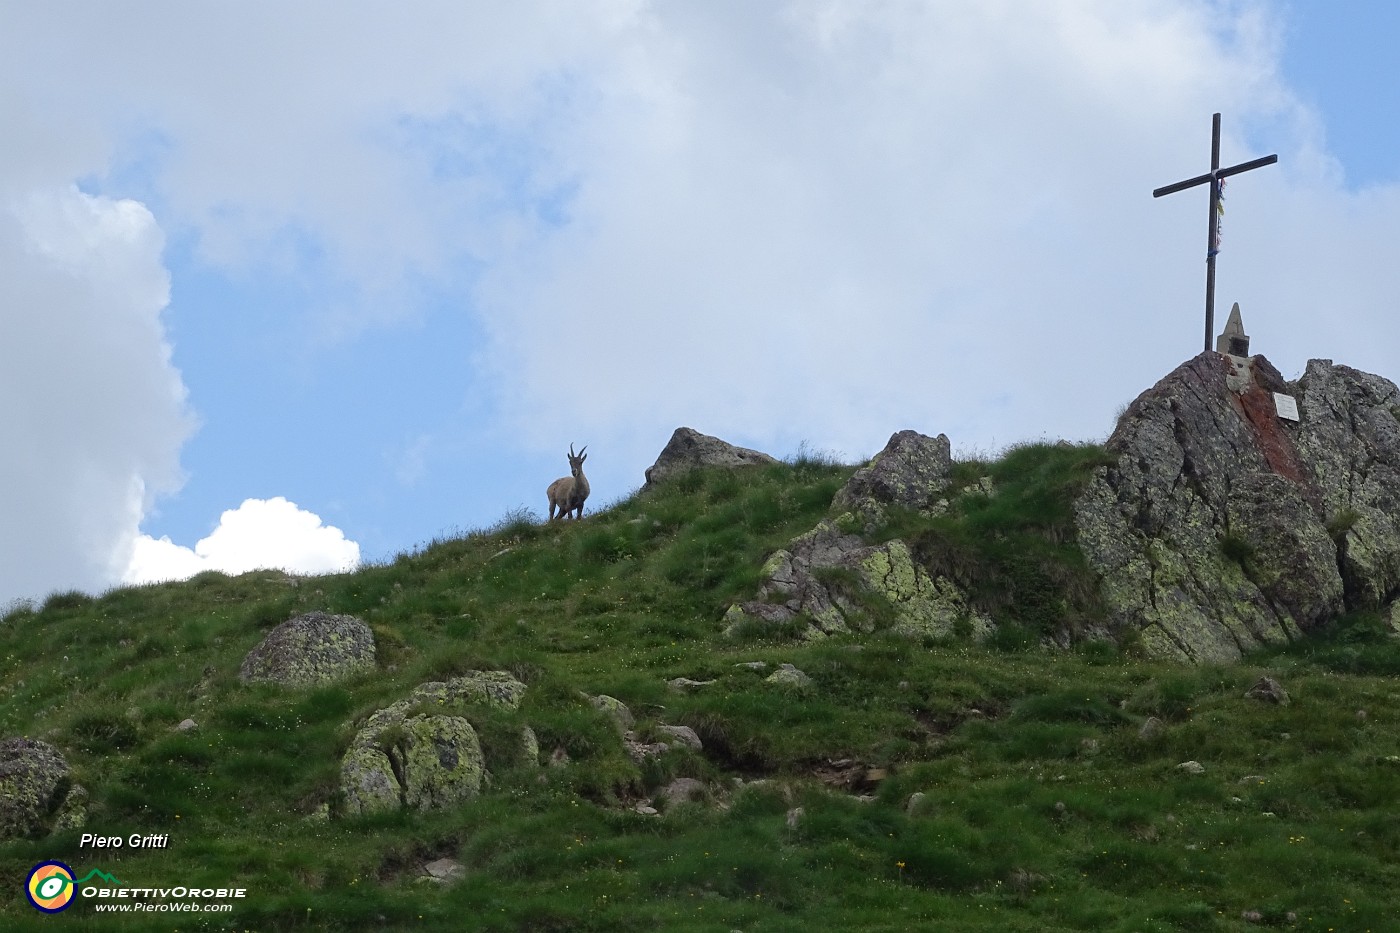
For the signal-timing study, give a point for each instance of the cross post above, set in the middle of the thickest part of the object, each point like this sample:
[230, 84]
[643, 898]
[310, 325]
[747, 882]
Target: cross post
[1214, 177]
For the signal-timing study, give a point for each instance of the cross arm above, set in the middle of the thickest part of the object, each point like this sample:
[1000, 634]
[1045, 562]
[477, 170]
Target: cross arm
[1183, 185]
[1218, 173]
[1246, 166]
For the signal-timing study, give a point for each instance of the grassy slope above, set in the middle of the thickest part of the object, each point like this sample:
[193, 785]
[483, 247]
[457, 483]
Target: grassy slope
[1044, 810]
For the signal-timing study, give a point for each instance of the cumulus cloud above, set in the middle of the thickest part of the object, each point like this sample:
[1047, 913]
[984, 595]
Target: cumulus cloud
[94, 413]
[259, 534]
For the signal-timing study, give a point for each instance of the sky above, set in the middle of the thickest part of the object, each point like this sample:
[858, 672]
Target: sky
[310, 285]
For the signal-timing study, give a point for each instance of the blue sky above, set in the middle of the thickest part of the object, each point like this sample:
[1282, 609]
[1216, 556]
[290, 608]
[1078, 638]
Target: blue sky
[303, 285]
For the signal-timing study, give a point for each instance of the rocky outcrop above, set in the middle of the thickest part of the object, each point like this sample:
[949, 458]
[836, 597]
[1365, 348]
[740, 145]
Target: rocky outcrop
[1350, 444]
[423, 752]
[832, 581]
[688, 449]
[37, 794]
[1223, 526]
[912, 472]
[310, 651]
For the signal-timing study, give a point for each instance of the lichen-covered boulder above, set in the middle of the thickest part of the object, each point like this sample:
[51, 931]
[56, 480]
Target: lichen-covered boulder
[615, 710]
[37, 795]
[489, 688]
[311, 650]
[688, 449]
[832, 580]
[422, 752]
[422, 762]
[912, 472]
[1222, 526]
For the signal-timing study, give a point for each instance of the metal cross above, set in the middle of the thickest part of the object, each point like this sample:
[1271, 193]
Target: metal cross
[1216, 175]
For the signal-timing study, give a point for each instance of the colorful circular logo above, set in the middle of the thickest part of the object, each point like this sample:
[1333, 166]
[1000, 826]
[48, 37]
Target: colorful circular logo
[50, 887]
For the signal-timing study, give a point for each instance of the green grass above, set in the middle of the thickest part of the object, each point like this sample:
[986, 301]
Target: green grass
[1043, 808]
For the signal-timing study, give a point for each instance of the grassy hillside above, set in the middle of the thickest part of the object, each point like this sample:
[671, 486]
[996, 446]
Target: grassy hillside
[1043, 806]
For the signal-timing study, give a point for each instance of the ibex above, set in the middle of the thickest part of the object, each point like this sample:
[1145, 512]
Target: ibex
[567, 493]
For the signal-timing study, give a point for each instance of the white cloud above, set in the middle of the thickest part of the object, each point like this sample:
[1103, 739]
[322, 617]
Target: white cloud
[259, 534]
[94, 413]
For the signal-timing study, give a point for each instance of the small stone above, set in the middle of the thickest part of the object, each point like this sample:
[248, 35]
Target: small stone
[1191, 767]
[1268, 690]
[1251, 916]
[615, 709]
[917, 802]
[445, 870]
[646, 809]
[684, 734]
[682, 790]
[186, 725]
[686, 685]
[789, 676]
[1150, 729]
[753, 665]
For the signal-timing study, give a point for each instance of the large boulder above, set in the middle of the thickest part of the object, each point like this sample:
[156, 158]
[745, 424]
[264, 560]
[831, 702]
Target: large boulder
[912, 472]
[834, 583]
[422, 752]
[688, 449]
[37, 794]
[311, 650]
[1350, 443]
[1223, 526]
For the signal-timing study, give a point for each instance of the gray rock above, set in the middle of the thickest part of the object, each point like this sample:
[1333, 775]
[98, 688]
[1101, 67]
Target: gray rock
[1222, 527]
[640, 751]
[1350, 446]
[403, 757]
[529, 747]
[311, 650]
[422, 762]
[917, 803]
[37, 795]
[788, 676]
[912, 472]
[686, 685]
[688, 449]
[1151, 728]
[615, 709]
[186, 725]
[683, 734]
[1191, 767]
[829, 578]
[682, 790]
[445, 870]
[1268, 690]
[486, 688]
